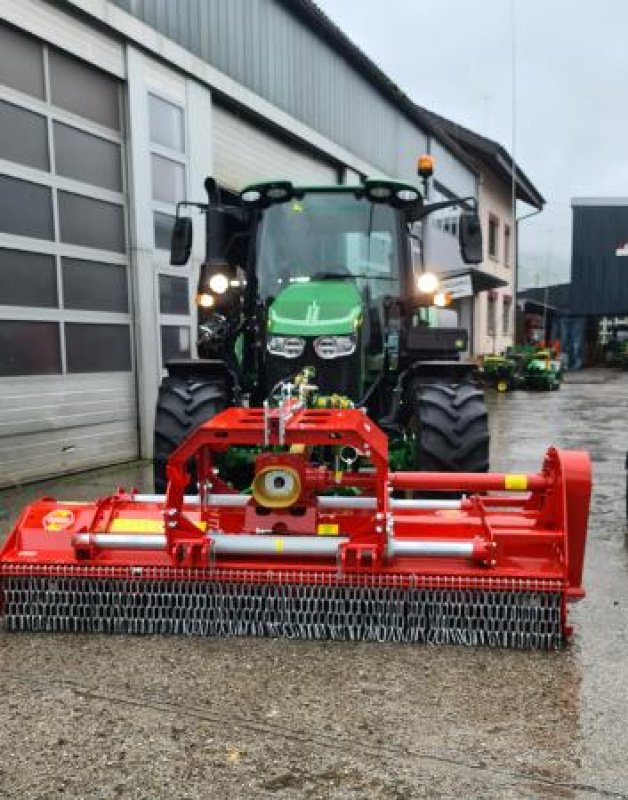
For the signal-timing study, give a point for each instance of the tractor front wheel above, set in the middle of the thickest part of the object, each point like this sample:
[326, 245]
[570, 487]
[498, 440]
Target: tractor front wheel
[182, 405]
[451, 425]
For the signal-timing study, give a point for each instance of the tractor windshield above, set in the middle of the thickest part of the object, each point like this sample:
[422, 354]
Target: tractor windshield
[327, 236]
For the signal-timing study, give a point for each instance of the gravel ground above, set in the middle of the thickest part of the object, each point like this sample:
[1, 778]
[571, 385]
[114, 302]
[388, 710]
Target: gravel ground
[106, 717]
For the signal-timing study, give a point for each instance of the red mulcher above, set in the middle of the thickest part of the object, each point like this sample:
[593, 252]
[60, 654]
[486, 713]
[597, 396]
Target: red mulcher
[311, 552]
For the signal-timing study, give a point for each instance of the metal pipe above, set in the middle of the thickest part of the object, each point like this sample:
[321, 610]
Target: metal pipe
[265, 545]
[189, 499]
[121, 541]
[240, 500]
[268, 545]
[436, 505]
[466, 482]
[411, 547]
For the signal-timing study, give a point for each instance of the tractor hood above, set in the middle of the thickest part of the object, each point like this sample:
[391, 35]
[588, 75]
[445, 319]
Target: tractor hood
[316, 308]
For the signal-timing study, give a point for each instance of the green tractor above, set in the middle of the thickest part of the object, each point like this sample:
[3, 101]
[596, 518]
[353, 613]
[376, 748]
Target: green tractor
[328, 280]
[500, 373]
[542, 371]
[617, 349]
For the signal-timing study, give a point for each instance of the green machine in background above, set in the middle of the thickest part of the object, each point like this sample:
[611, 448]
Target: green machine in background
[542, 371]
[523, 367]
[500, 373]
[617, 348]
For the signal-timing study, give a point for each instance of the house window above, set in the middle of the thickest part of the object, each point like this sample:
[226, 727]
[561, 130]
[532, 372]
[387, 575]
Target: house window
[507, 238]
[506, 315]
[493, 236]
[491, 313]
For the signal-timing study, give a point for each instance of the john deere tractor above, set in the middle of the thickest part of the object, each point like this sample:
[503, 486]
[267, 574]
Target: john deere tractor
[327, 281]
[543, 370]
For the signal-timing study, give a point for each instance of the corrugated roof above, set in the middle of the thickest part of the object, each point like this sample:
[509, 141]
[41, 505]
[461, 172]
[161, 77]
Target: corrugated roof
[315, 18]
[468, 146]
[494, 155]
[556, 297]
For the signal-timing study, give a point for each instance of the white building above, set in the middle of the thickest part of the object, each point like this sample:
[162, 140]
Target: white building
[489, 309]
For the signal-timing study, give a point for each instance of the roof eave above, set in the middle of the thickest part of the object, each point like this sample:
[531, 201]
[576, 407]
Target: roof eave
[492, 151]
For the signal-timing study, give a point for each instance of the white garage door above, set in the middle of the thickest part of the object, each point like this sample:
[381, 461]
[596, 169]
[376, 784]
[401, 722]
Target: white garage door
[67, 384]
[243, 154]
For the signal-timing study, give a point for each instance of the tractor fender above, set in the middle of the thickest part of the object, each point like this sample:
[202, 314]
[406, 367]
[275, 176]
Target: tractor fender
[439, 372]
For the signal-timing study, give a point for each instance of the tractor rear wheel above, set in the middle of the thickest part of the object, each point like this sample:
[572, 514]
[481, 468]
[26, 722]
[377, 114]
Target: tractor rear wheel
[182, 405]
[451, 427]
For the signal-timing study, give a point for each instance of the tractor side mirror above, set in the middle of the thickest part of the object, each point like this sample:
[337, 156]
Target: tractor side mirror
[470, 238]
[181, 241]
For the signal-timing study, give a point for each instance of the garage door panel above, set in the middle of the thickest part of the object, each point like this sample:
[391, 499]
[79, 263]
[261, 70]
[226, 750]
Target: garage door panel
[67, 387]
[52, 453]
[244, 153]
[54, 404]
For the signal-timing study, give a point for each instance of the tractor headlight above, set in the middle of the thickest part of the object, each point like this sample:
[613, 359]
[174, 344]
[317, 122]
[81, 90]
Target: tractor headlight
[205, 300]
[427, 282]
[407, 195]
[327, 347]
[286, 346]
[218, 283]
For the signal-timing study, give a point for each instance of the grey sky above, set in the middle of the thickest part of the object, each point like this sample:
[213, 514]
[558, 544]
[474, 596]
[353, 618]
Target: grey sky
[455, 57]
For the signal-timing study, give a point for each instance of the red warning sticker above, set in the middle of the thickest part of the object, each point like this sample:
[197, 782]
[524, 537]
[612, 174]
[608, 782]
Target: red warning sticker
[59, 519]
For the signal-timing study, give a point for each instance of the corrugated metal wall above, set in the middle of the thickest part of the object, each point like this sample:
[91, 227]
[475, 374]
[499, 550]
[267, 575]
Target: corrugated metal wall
[260, 44]
[59, 424]
[238, 160]
[599, 277]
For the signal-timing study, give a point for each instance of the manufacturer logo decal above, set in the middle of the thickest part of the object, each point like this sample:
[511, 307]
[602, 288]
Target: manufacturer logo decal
[59, 519]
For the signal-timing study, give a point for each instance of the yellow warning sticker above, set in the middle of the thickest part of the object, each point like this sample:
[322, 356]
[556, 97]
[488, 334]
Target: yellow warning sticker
[327, 529]
[137, 525]
[59, 519]
[516, 483]
[279, 545]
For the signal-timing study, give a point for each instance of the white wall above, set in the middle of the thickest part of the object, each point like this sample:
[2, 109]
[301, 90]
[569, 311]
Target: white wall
[495, 199]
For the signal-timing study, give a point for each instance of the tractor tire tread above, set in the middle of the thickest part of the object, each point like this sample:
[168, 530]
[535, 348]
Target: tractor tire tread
[452, 427]
[182, 405]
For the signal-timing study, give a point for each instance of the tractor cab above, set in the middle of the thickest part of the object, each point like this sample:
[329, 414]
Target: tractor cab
[330, 277]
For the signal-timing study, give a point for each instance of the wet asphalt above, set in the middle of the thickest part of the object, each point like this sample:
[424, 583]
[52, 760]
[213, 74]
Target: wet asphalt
[121, 717]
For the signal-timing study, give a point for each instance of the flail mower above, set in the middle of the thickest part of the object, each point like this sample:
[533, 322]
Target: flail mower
[321, 470]
[311, 552]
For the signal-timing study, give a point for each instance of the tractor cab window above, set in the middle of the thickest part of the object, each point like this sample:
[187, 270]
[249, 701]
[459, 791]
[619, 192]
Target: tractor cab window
[435, 317]
[329, 236]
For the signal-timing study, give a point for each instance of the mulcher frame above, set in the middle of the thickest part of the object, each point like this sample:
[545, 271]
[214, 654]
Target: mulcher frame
[531, 539]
